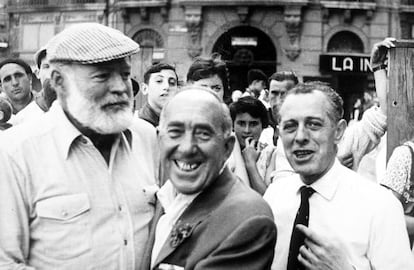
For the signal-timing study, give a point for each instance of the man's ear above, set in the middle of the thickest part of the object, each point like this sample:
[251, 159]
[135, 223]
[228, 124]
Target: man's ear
[229, 145]
[144, 88]
[56, 80]
[340, 129]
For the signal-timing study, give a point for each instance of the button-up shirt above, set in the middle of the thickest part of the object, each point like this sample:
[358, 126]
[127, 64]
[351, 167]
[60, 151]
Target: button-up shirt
[63, 207]
[366, 217]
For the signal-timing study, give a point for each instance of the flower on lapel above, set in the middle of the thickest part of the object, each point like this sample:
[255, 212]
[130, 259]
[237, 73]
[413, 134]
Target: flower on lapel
[180, 232]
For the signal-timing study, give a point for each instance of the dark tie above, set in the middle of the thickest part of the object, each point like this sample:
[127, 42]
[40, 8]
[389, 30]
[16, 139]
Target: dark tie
[297, 239]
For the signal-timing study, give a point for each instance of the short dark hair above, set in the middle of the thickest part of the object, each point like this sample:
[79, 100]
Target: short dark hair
[336, 112]
[203, 68]
[281, 76]
[256, 75]
[252, 106]
[157, 68]
[19, 62]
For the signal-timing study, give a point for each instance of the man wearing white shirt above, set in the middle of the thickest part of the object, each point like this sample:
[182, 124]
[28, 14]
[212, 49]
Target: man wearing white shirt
[16, 79]
[326, 214]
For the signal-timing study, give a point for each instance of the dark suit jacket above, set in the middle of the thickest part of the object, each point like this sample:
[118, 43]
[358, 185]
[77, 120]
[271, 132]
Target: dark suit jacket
[231, 227]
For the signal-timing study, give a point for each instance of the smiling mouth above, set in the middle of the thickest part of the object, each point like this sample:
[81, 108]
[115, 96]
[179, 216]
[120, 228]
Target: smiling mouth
[187, 167]
[302, 154]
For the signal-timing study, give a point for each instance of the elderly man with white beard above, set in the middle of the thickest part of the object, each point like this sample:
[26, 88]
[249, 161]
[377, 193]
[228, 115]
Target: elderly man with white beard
[76, 186]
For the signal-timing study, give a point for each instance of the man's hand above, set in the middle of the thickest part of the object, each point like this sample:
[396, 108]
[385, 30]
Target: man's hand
[322, 253]
[347, 160]
[379, 52]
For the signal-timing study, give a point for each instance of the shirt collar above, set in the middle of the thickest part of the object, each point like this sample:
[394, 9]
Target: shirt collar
[67, 133]
[327, 185]
[167, 195]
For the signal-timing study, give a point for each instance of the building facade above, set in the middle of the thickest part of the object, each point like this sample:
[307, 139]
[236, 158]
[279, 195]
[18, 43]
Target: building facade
[318, 39]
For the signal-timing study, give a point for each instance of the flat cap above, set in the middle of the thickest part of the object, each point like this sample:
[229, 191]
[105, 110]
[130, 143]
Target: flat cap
[89, 43]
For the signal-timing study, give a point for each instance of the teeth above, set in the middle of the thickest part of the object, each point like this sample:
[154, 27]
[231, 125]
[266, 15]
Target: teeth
[301, 153]
[187, 166]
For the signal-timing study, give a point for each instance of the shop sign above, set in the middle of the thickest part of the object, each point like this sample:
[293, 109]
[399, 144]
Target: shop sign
[344, 63]
[243, 41]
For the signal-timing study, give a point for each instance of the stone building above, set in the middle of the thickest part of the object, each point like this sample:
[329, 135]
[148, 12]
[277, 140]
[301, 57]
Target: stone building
[318, 39]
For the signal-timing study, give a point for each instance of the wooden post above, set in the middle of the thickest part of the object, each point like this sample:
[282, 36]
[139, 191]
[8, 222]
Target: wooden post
[400, 98]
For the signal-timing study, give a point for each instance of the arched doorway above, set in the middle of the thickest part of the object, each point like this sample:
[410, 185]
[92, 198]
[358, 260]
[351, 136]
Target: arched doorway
[244, 48]
[151, 47]
[151, 51]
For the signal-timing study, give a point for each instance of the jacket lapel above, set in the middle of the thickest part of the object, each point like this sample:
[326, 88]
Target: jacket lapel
[197, 212]
[146, 261]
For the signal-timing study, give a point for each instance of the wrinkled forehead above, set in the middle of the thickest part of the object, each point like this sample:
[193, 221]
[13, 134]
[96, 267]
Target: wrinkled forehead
[302, 105]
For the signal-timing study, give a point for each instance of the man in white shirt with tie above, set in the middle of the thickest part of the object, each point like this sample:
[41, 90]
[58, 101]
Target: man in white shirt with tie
[329, 217]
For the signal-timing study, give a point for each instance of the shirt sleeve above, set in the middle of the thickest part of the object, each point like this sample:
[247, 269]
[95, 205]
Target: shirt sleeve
[14, 216]
[389, 247]
[398, 169]
[363, 136]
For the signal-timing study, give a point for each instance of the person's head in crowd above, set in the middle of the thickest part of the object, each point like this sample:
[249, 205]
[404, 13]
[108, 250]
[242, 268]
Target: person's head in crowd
[235, 95]
[47, 93]
[279, 83]
[311, 126]
[160, 84]
[249, 117]
[5, 110]
[195, 138]
[91, 69]
[212, 73]
[16, 79]
[256, 80]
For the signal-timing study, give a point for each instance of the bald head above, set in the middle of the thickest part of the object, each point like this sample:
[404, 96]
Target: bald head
[204, 99]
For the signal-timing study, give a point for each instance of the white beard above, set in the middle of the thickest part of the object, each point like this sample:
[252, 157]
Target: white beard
[93, 116]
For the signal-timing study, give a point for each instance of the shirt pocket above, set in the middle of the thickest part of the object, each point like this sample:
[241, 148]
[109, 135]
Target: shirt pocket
[64, 230]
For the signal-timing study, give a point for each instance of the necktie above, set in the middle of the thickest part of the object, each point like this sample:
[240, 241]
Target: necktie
[297, 239]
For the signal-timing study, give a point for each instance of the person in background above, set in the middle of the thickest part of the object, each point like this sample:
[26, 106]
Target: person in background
[211, 220]
[160, 84]
[47, 94]
[399, 178]
[279, 83]
[211, 73]
[77, 184]
[16, 79]
[5, 113]
[249, 118]
[256, 80]
[328, 216]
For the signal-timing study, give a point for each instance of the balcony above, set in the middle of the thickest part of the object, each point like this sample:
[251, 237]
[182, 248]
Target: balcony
[20, 6]
[141, 3]
[348, 4]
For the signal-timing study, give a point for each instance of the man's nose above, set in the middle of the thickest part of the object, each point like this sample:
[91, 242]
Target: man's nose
[118, 84]
[188, 143]
[302, 135]
[14, 80]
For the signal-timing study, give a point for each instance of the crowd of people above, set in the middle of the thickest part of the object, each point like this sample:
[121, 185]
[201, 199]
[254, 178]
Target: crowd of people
[200, 177]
